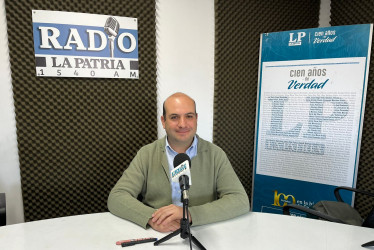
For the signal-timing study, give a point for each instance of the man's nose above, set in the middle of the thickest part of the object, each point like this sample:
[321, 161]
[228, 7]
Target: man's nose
[182, 122]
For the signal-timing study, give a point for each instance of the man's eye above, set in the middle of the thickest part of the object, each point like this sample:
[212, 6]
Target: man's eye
[173, 117]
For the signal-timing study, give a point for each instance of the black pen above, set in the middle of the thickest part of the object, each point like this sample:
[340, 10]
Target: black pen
[131, 243]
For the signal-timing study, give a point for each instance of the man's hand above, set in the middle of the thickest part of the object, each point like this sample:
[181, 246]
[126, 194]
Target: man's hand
[167, 218]
[171, 227]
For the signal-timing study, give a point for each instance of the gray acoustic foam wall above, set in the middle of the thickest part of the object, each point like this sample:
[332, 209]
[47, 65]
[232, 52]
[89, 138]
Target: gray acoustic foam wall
[360, 12]
[238, 28]
[77, 135]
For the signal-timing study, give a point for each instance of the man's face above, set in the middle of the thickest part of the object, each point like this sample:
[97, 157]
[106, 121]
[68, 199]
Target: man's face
[180, 121]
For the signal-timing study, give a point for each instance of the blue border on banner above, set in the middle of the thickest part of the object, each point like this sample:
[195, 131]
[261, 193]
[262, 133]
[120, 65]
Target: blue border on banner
[304, 193]
[351, 42]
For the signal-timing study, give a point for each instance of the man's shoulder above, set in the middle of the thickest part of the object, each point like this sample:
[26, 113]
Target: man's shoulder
[204, 145]
[157, 144]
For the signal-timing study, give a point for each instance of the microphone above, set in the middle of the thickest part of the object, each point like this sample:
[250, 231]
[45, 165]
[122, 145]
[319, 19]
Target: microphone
[181, 173]
[111, 27]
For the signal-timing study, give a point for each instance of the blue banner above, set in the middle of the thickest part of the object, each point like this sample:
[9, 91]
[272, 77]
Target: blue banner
[310, 108]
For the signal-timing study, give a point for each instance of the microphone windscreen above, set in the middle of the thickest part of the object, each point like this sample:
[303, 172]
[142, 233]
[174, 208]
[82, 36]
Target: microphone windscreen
[180, 158]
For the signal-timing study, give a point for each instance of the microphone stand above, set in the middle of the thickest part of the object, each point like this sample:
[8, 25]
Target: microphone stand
[184, 230]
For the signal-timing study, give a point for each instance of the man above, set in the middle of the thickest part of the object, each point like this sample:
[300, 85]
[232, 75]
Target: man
[215, 194]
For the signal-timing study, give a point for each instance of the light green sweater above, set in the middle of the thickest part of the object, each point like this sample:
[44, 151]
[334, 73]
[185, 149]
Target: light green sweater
[216, 193]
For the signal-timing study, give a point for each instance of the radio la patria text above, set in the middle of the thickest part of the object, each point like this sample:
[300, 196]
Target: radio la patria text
[93, 63]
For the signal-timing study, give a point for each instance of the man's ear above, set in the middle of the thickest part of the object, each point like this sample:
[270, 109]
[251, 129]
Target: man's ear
[163, 121]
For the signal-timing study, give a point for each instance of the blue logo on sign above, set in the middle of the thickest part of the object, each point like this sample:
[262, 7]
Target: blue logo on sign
[77, 40]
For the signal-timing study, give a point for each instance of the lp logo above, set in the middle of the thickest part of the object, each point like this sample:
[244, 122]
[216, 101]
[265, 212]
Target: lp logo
[285, 199]
[296, 41]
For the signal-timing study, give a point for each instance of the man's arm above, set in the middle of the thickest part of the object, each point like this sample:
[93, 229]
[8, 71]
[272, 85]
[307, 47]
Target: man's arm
[232, 199]
[122, 200]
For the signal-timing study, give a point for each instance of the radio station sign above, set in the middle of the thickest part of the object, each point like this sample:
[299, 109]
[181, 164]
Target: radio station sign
[68, 44]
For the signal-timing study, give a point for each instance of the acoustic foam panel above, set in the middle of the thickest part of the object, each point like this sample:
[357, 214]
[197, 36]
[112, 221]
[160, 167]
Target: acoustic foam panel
[77, 135]
[238, 28]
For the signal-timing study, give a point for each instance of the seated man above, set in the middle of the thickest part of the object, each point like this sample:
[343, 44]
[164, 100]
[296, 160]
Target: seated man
[216, 193]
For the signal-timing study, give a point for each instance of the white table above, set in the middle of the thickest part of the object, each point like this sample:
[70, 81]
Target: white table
[251, 231]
